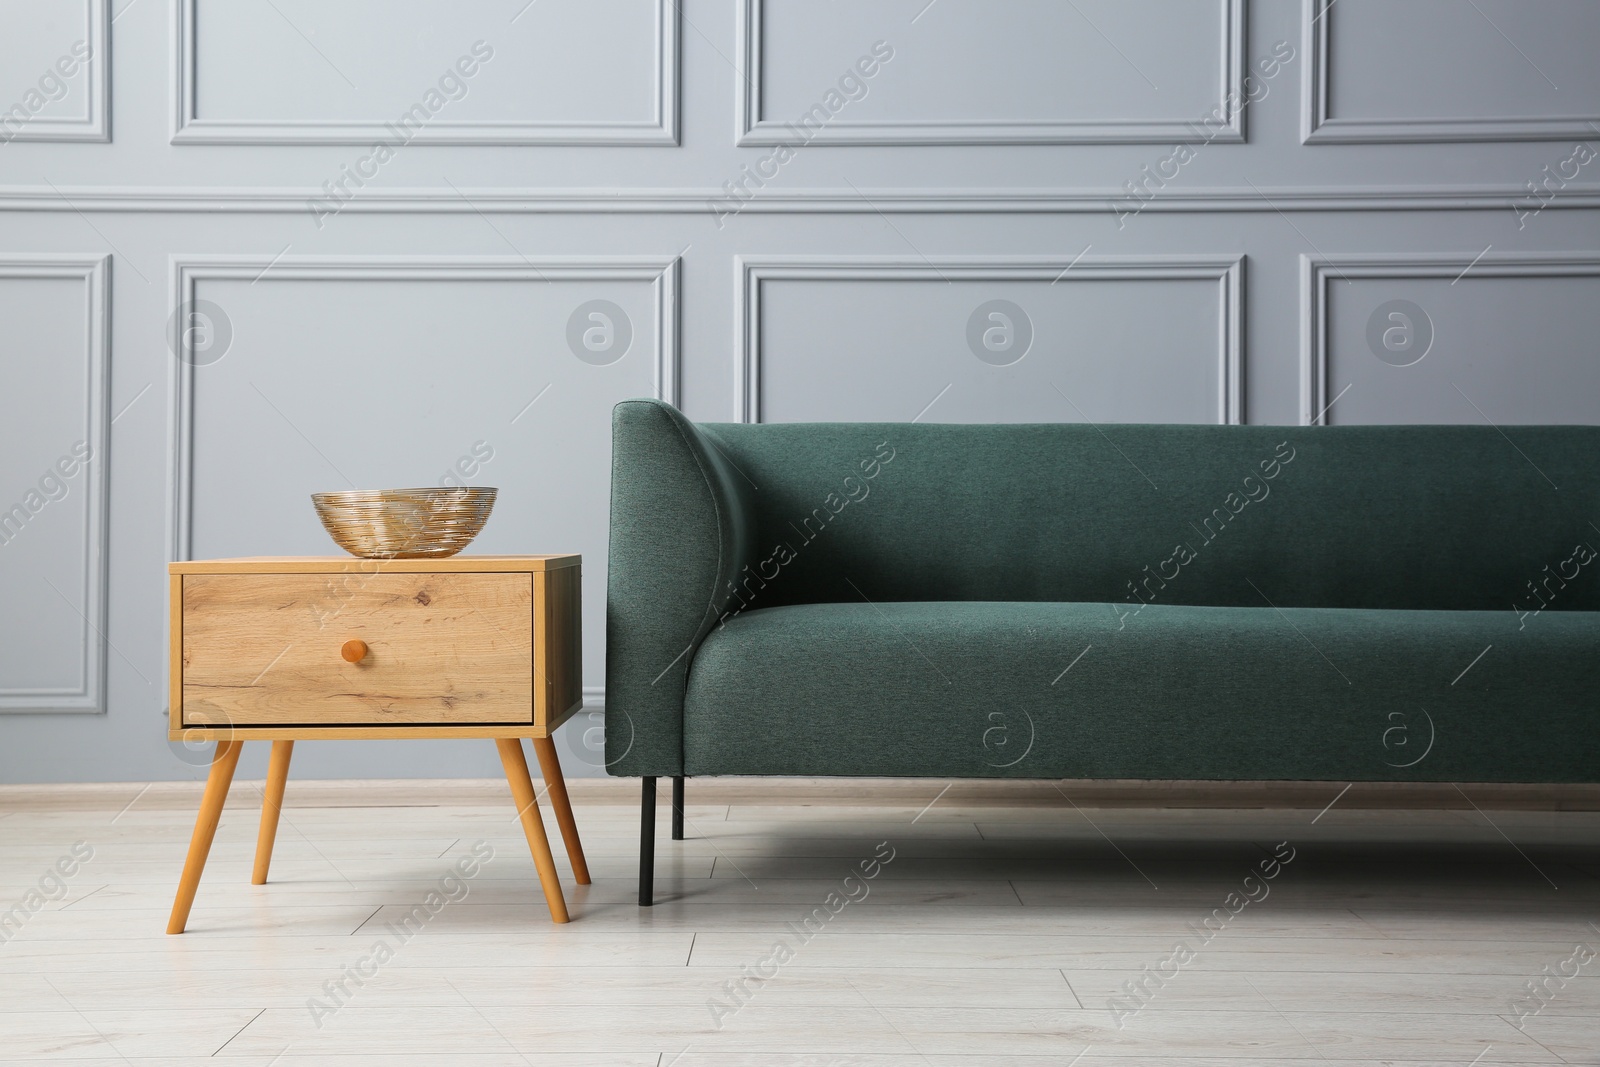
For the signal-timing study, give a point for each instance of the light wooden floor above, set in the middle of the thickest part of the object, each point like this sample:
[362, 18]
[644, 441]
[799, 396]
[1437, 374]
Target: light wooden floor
[996, 935]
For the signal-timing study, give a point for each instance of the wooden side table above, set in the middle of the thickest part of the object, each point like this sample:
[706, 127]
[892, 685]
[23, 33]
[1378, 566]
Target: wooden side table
[283, 649]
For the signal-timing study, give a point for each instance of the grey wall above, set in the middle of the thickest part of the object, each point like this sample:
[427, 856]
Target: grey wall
[1162, 255]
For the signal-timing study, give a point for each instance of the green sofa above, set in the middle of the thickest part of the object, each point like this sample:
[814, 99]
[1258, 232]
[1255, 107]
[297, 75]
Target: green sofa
[1412, 603]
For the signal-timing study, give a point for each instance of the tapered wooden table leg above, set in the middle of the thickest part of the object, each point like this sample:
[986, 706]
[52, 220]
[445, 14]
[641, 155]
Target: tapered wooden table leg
[550, 767]
[271, 808]
[223, 764]
[516, 765]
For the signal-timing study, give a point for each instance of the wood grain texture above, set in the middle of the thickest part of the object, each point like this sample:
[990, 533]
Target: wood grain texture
[556, 783]
[271, 808]
[446, 648]
[174, 655]
[368, 652]
[558, 600]
[369, 567]
[198, 734]
[223, 763]
[516, 766]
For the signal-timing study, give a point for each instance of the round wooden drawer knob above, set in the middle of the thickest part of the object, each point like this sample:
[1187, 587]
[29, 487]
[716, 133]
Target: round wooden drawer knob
[354, 651]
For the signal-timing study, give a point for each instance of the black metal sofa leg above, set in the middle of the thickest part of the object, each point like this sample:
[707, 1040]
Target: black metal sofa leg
[647, 844]
[677, 808]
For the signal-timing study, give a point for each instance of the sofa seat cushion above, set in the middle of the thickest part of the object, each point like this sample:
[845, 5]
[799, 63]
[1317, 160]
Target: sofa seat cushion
[1070, 690]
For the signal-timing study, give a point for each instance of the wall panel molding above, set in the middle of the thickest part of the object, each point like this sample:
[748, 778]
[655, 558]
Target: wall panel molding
[1318, 126]
[188, 128]
[752, 130]
[96, 123]
[185, 271]
[1316, 271]
[899, 200]
[94, 272]
[752, 271]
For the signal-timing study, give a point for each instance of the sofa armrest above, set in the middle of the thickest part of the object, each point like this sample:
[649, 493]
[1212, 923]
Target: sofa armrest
[681, 529]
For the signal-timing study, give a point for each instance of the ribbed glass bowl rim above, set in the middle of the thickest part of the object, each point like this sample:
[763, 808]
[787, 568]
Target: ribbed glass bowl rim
[380, 496]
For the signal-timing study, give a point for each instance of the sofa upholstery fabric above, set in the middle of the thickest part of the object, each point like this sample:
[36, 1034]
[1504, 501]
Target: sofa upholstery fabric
[1057, 690]
[758, 574]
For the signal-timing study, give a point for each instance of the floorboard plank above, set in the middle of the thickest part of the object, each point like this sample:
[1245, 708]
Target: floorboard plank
[1006, 930]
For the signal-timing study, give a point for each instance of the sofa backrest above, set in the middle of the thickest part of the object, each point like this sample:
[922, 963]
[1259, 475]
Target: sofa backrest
[1444, 517]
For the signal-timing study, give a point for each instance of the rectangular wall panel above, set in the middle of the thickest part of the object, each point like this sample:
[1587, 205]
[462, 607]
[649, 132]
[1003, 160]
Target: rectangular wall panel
[54, 58]
[1378, 70]
[601, 72]
[319, 375]
[981, 340]
[978, 72]
[1450, 339]
[53, 466]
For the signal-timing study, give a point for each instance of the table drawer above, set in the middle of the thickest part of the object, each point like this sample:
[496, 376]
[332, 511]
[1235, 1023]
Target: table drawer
[443, 648]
